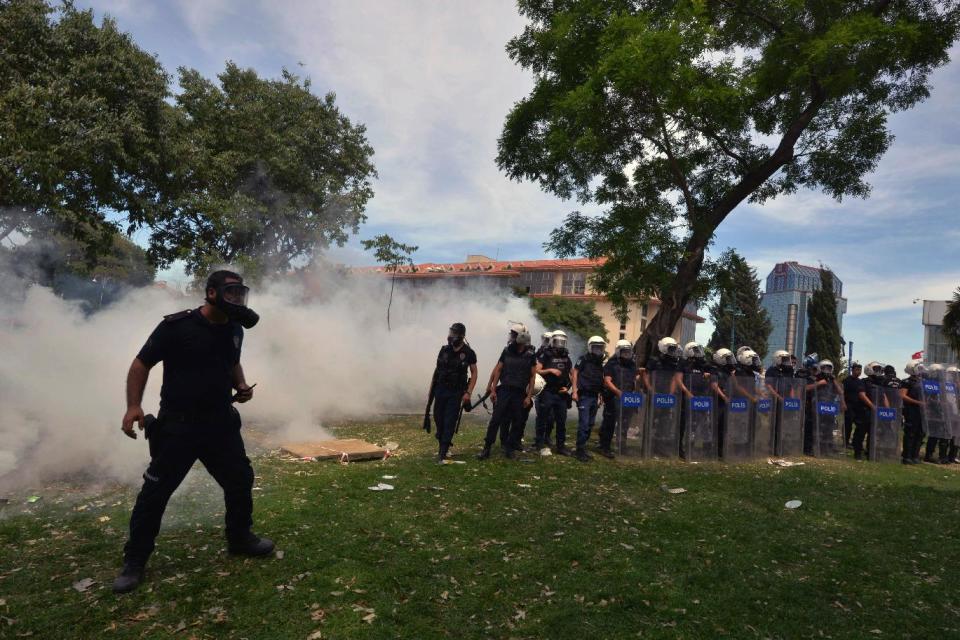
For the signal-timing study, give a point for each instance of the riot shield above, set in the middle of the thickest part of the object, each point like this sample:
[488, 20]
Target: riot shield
[884, 445]
[631, 410]
[700, 433]
[951, 402]
[662, 437]
[828, 440]
[935, 423]
[790, 404]
[739, 407]
[764, 416]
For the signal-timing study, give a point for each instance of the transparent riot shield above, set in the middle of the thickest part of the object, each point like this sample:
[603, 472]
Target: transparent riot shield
[828, 440]
[788, 438]
[662, 437]
[700, 432]
[884, 445]
[738, 412]
[951, 402]
[764, 418]
[935, 422]
[631, 411]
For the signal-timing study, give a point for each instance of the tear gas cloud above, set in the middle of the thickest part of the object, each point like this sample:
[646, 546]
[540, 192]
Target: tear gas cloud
[314, 358]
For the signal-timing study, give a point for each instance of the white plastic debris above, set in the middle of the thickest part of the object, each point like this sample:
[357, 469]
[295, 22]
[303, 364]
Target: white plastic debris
[546, 452]
[785, 463]
[389, 477]
[793, 504]
[525, 486]
[82, 585]
[381, 486]
[674, 490]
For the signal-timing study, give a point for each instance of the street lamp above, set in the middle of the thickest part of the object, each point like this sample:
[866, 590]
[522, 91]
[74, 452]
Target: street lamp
[734, 314]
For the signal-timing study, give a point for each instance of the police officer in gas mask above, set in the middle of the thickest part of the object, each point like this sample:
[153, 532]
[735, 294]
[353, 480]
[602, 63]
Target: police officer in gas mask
[200, 351]
[452, 385]
[782, 366]
[587, 385]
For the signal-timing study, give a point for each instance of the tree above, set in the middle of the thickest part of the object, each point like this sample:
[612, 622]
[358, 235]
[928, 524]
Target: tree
[823, 327]
[578, 317]
[671, 114]
[951, 322]
[739, 296]
[61, 263]
[266, 173]
[392, 255]
[82, 116]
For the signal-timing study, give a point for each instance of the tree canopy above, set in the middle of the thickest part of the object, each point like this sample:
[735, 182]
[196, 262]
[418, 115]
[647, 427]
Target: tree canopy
[740, 296]
[951, 322]
[670, 114]
[82, 116]
[823, 326]
[578, 317]
[259, 173]
[264, 173]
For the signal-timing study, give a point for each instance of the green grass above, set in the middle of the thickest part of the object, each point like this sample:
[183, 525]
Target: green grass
[462, 551]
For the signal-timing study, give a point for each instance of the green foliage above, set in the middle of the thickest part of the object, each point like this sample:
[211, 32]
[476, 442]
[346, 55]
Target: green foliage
[82, 116]
[577, 317]
[388, 252]
[951, 322]
[264, 173]
[823, 328]
[671, 114]
[739, 289]
[392, 255]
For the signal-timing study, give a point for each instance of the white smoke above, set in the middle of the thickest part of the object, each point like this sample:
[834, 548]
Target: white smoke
[315, 358]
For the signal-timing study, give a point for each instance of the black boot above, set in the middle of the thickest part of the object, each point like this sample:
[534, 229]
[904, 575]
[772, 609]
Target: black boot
[563, 451]
[252, 545]
[129, 579]
[582, 455]
[606, 453]
[483, 455]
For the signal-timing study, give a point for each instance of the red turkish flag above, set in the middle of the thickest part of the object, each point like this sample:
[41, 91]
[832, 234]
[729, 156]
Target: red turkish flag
[917, 356]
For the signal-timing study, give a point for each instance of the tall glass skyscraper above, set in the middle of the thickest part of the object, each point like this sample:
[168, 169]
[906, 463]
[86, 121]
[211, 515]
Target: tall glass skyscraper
[789, 288]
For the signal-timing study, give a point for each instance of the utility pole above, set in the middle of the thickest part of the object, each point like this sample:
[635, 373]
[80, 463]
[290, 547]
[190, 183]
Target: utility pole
[734, 314]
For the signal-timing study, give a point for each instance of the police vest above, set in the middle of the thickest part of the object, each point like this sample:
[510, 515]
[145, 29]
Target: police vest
[590, 375]
[452, 367]
[623, 376]
[516, 368]
[561, 363]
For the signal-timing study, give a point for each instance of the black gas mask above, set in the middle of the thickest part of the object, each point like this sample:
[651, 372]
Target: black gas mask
[232, 301]
[457, 335]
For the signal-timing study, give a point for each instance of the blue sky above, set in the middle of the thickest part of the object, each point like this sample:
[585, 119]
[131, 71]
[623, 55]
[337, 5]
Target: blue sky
[432, 83]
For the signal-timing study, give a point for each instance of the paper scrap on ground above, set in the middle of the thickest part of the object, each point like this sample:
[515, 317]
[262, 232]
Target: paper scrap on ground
[525, 486]
[448, 461]
[381, 486]
[82, 585]
[785, 463]
[674, 490]
[33, 499]
[793, 504]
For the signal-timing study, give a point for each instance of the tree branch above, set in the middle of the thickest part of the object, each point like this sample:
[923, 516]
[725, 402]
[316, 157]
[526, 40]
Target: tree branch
[756, 16]
[780, 157]
[718, 140]
[675, 166]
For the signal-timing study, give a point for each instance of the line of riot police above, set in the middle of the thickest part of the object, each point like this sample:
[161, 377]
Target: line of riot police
[686, 404]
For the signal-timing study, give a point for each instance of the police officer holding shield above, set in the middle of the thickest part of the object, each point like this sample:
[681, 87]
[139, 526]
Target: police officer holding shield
[200, 351]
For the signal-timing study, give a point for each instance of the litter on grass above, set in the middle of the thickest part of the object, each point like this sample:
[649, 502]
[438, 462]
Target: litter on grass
[785, 463]
[793, 504]
[674, 490]
[381, 486]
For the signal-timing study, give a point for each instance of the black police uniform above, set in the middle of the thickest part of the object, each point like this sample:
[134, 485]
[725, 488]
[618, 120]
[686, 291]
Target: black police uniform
[518, 365]
[851, 387]
[859, 410]
[589, 386]
[623, 374]
[912, 419]
[525, 412]
[453, 365]
[555, 396]
[704, 374]
[197, 420]
[543, 428]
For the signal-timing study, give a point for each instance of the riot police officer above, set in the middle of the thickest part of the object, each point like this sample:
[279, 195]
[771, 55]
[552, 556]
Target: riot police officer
[851, 388]
[857, 397]
[452, 390]
[511, 390]
[619, 376]
[587, 385]
[555, 367]
[783, 365]
[200, 351]
[543, 426]
[912, 394]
